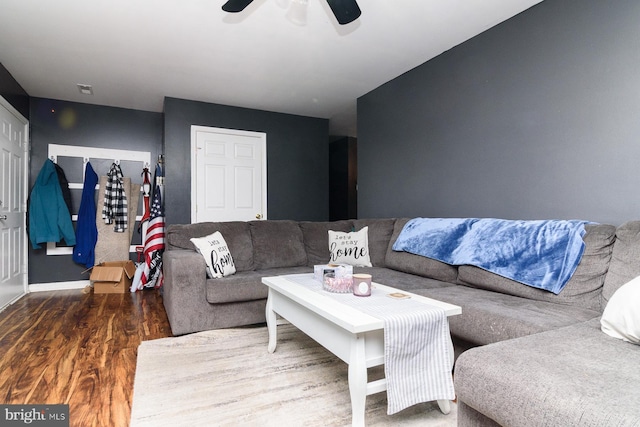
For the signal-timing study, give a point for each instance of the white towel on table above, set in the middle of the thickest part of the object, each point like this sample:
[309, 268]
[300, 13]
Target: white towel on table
[417, 358]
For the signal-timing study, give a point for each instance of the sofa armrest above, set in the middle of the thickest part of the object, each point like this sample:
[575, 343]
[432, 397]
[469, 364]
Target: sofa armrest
[185, 268]
[184, 290]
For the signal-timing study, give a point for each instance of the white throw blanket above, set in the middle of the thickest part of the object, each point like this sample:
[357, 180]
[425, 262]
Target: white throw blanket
[417, 345]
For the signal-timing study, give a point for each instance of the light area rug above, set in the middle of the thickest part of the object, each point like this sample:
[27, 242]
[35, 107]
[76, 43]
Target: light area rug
[228, 378]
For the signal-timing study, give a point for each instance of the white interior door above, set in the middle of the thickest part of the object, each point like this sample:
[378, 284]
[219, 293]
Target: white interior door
[228, 177]
[13, 206]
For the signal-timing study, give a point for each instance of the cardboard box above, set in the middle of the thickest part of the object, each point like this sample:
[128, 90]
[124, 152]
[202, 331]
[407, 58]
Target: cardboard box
[340, 270]
[113, 277]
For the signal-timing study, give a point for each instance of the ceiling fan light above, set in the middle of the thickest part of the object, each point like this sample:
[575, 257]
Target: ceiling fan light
[85, 89]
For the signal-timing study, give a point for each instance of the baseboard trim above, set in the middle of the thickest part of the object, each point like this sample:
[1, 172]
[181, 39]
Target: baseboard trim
[58, 286]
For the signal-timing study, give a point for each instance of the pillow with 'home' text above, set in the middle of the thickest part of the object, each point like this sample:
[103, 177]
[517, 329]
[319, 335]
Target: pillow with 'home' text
[350, 248]
[216, 255]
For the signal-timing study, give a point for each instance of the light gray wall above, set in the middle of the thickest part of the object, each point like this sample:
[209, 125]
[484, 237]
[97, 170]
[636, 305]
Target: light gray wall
[536, 118]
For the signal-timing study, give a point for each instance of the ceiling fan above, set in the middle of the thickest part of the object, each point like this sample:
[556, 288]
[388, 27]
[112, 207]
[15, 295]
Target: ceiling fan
[345, 11]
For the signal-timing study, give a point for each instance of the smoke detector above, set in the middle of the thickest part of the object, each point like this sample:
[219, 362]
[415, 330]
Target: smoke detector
[85, 89]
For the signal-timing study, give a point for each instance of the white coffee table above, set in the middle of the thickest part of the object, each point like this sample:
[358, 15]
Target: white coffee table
[355, 337]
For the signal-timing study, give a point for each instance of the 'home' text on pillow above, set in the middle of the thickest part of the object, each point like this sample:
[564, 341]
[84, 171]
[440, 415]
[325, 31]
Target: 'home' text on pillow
[350, 248]
[216, 255]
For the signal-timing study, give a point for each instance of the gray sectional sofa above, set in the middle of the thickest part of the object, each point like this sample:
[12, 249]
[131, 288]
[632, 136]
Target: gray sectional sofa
[532, 358]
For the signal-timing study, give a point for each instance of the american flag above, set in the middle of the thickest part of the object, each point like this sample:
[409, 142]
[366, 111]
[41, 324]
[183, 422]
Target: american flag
[154, 244]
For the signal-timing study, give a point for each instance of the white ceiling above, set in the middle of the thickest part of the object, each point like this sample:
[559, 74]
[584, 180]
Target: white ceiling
[136, 52]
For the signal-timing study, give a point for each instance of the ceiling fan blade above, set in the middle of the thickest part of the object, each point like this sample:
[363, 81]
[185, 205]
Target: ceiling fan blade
[346, 11]
[234, 6]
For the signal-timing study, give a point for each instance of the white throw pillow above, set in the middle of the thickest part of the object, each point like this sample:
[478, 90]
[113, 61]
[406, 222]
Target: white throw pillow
[216, 254]
[621, 316]
[350, 248]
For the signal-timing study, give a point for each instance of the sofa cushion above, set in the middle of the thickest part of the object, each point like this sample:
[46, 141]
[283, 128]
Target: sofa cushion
[380, 231]
[350, 248]
[489, 317]
[415, 264]
[583, 289]
[316, 238]
[621, 316]
[624, 264]
[236, 234]
[245, 286]
[277, 243]
[573, 376]
[215, 252]
[400, 280]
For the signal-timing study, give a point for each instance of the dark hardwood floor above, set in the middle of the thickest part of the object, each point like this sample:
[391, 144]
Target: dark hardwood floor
[77, 348]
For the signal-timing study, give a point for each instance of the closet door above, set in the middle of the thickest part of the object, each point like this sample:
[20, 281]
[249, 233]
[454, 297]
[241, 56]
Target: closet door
[229, 175]
[13, 196]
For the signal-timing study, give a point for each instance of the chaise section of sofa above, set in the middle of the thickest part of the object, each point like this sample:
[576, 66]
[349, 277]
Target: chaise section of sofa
[571, 376]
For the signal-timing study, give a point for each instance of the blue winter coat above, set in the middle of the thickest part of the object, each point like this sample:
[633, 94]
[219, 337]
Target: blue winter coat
[86, 229]
[49, 217]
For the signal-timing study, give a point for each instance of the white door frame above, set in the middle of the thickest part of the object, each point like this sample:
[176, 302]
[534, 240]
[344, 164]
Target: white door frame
[261, 136]
[25, 194]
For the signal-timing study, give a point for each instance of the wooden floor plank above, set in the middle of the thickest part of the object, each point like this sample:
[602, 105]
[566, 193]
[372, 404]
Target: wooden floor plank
[77, 348]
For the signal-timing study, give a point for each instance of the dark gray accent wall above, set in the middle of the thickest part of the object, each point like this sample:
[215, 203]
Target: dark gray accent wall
[535, 118]
[343, 179]
[69, 123]
[297, 157]
[11, 90]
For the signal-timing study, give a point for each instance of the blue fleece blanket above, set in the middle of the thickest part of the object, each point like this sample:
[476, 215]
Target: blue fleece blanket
[541, 254]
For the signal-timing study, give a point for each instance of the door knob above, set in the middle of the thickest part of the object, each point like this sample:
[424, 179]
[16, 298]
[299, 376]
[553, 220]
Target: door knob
[258, 216]
[3, 217]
